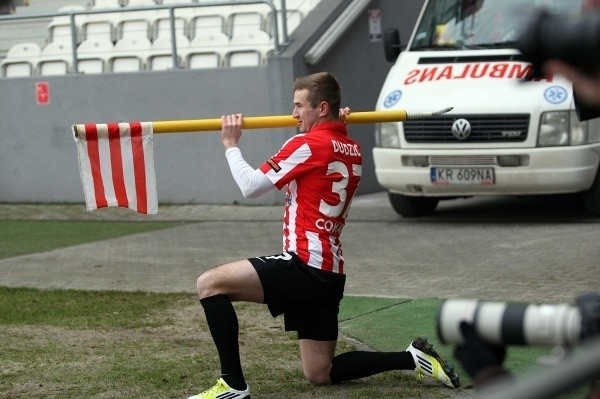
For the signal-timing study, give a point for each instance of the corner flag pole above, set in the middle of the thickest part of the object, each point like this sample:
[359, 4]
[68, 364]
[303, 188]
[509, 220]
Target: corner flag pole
[266, 122]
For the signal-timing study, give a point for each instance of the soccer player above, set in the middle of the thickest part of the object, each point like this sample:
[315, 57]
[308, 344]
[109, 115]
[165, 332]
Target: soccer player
[321, 169]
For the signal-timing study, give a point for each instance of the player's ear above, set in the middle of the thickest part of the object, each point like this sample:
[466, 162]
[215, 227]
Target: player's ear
[323, 108]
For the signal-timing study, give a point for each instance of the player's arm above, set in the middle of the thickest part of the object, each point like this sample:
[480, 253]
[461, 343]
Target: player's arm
[253, 183]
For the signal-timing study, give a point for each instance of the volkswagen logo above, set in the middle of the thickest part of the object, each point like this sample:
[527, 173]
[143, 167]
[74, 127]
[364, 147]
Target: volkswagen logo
[461, 129]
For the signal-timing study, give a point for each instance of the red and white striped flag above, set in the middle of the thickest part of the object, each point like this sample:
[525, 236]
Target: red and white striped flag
[116, 162]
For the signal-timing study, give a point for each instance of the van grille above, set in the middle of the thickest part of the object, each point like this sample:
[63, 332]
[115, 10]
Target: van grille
[484, 129]
[456, 160]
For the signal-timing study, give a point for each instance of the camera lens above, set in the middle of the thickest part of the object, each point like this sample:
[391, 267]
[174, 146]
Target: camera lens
[510, 324]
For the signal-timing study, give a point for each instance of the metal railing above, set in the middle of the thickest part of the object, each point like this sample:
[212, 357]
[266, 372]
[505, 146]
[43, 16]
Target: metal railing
[73, 14]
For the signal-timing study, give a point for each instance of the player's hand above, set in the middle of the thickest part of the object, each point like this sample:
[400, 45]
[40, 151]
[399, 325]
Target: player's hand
[231, 129]
[474, 354]
[343, 113]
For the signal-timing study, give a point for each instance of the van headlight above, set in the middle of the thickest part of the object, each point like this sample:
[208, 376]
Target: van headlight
[387, 135]
[561, 128]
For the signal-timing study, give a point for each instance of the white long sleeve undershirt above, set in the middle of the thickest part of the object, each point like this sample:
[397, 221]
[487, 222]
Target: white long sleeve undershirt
[252, 182]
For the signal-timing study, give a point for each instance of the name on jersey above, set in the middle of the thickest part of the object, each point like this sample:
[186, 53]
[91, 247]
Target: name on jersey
[346, 149]
[471, 71]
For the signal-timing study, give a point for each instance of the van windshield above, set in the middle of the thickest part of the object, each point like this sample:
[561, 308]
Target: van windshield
[460, 24]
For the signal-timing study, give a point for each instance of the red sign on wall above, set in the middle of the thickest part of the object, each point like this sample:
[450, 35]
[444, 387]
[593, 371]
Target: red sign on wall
[42, 92]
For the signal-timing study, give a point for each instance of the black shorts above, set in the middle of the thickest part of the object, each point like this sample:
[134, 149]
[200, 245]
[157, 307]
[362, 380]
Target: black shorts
[308, 298]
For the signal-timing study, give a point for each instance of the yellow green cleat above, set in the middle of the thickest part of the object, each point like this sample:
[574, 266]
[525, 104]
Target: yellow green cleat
[223, 391]
[429, 363]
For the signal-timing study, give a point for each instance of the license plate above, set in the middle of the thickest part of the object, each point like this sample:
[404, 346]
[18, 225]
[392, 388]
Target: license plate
[477, 176]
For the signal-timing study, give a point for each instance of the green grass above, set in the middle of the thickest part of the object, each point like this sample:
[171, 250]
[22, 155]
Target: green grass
[398, 321]
[83, 309]
[73, 344]
[110, 344]
[22, 237]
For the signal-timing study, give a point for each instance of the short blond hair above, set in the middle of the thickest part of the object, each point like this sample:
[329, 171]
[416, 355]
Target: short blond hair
[321, 86]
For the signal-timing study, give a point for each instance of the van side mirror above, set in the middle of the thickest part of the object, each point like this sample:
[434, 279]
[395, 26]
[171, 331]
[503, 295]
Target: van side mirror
[391, 44]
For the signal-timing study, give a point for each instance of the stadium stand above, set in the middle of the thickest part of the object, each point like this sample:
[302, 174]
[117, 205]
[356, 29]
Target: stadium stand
[211, 36]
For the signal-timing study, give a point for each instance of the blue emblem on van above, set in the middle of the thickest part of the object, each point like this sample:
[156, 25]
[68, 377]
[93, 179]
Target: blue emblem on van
[392, 98]
[555, 94]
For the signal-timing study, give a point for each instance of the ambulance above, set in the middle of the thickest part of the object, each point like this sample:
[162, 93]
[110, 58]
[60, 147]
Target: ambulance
[503, 136]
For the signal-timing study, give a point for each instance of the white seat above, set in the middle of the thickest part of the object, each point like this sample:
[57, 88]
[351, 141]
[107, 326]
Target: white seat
[129, 55]
[103, 4]
[207, 51]
[247, 17]
[207, 20]
[56, 59]
[162, 22]
[160, 57]
[100, 26]
[93, 55]
[59, 28]
[174, 2]
[136, 24]
[248, 49]
[140, 3]
[21, 60]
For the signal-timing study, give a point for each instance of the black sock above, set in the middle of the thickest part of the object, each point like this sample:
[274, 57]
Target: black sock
[224, 328]
[358, 364]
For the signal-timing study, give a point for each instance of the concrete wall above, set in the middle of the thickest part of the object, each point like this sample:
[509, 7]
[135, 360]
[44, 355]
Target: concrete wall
[38, 158]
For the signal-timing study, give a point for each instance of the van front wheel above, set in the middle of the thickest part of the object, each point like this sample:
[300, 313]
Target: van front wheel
[412, 206]
[591, 198]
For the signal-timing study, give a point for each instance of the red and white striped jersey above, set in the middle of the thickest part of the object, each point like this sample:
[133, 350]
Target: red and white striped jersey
[322, 169]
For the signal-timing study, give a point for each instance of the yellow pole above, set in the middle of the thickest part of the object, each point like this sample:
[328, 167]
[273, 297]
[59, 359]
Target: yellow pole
[266, 122]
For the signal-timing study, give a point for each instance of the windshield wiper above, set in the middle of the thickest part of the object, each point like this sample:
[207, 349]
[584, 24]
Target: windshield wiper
[504, 44]
[446, 47]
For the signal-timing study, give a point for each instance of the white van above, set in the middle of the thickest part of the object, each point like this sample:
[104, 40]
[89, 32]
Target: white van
[503, 136]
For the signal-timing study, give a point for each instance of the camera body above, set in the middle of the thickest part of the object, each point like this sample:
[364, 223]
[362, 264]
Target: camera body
[502, 323]
[574, 40]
